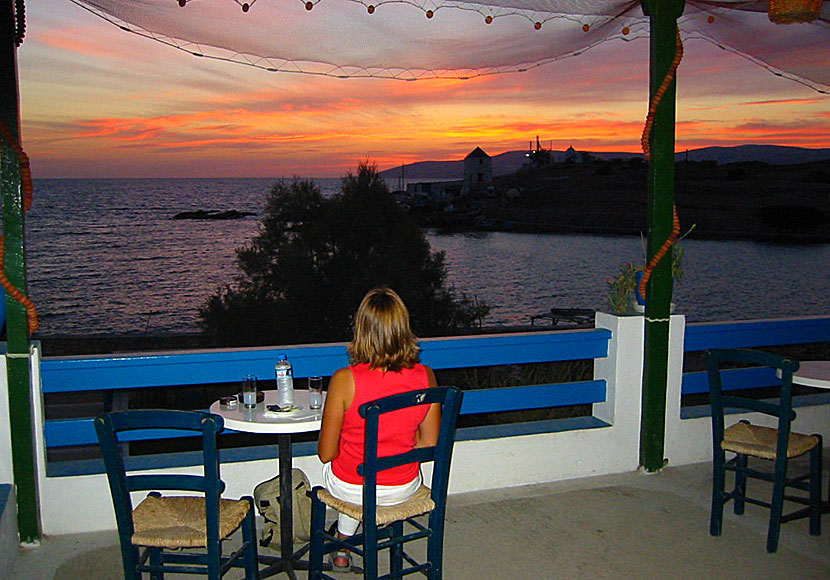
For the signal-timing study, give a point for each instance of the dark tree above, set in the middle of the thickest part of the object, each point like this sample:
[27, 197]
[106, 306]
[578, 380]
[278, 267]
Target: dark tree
[305, 273]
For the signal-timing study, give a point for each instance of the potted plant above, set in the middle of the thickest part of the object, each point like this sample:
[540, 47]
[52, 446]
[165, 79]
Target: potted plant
[621, 289]
[624, 288]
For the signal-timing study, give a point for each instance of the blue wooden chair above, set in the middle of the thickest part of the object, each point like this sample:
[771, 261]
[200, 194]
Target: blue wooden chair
[778, 444]
[154, 533]
[391, 527]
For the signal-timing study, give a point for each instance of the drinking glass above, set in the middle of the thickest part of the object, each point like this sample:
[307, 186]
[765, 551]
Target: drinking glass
[249, 391]
[315, 392]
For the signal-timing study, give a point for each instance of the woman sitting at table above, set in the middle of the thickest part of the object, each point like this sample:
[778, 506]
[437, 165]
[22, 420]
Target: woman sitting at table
[383, 361]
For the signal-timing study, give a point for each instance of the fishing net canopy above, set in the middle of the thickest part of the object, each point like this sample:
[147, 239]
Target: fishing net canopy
[427, 39]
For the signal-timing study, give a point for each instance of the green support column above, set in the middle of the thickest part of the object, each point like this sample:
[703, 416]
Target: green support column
[17, 325]
[663, 16]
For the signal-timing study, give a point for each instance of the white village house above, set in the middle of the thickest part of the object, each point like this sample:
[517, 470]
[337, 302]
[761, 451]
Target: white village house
[478, 176]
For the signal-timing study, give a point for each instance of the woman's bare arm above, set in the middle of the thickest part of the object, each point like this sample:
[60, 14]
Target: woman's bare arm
[339, 397]
[427, 435]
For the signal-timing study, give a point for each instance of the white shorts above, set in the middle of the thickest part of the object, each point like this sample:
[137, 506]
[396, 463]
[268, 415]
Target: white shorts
[353, 493]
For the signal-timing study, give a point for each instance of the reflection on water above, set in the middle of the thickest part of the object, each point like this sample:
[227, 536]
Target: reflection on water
[105, 256]
[523, 274]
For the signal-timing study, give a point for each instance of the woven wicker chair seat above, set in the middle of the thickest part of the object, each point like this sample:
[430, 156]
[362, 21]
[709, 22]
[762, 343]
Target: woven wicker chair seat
[419, 503]
[179, 521]
[761, 442]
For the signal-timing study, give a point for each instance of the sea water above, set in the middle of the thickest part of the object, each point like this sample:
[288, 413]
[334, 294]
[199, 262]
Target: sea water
[106, 256]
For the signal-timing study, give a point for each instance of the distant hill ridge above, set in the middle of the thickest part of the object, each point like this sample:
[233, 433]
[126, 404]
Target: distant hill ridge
[511, 161]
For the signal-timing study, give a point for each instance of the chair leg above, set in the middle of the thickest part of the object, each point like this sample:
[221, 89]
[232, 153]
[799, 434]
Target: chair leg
[718, 484]
[318, 528]
[129, 559]
[214, 560]
[156, 560]
[740, 484]
[815, 489]
[370, 550]
[435, 545]
[777, 504]
[249, 537]
[396, 551]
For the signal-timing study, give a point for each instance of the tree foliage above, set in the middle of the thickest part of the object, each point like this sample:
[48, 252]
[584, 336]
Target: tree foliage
[303, 276]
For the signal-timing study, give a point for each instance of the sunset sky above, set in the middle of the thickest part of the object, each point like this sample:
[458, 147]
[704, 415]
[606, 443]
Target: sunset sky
[99, 102]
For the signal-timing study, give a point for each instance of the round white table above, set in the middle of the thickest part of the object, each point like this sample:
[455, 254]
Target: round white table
[258, 420]
[813, 373]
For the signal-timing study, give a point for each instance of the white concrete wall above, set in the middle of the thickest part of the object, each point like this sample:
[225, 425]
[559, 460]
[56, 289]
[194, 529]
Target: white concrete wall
[622, 370]
[9, 538]
[545, 457]
[477, 465]
[82, 503]
[690, 440]
[6, 467]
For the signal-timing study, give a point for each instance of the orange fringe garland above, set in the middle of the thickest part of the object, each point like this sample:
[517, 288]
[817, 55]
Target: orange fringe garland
[646, 143]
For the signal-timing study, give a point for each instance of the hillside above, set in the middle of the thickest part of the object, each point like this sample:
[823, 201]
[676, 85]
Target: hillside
[511, 161]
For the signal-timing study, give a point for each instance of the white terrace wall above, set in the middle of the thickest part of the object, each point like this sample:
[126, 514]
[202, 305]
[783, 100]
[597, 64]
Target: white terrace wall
[690, 440]
[477, 464]
[524, 460]
[75, 504]
[82, 503]
[6, 467]
[9, 537]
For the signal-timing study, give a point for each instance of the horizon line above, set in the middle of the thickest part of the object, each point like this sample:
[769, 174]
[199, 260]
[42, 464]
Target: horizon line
[397, 166]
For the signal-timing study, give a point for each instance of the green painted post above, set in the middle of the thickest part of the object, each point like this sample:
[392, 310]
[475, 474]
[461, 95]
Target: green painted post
[17, 325]
[663, 16]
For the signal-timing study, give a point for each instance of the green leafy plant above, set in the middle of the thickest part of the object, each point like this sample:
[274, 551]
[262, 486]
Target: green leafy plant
[621, 286]
[677, 262]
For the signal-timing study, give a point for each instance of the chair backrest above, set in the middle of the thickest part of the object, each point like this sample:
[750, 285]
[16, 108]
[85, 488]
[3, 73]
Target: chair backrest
[785, 367]
[440, 455]
[115, 429]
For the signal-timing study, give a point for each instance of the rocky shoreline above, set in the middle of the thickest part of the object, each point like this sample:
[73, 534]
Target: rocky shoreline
[105, 344]
[440, 226]
[94, 344]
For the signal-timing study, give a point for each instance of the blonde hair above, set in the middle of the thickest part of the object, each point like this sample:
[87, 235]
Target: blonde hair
[382, 336]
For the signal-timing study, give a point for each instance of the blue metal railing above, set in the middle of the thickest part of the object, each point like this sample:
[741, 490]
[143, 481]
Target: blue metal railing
[161, 370]
[145, 370]
[750, 334]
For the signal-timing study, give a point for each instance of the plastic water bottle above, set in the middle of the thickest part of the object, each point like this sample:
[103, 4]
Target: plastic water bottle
[285, 381]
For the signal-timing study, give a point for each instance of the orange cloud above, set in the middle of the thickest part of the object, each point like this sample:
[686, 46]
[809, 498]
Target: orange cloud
[182, 116]
[787, 102]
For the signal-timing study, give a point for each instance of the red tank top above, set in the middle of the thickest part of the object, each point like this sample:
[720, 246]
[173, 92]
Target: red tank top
[397, 430]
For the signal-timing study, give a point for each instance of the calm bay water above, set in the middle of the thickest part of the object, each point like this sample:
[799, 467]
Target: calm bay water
[105, 256]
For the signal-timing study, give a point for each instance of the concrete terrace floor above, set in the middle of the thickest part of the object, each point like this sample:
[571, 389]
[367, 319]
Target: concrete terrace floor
[630, 526]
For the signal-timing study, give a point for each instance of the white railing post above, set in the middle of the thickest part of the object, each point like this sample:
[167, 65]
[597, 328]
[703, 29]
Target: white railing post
[680, 446]
[9, 538]
[622, 370]
[6, 470]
